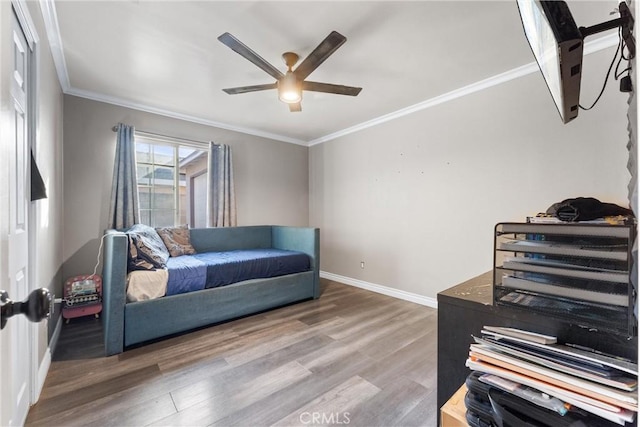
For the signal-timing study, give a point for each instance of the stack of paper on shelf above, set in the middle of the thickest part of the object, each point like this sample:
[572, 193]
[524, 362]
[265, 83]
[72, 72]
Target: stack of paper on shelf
[582, 379]
[573, 271]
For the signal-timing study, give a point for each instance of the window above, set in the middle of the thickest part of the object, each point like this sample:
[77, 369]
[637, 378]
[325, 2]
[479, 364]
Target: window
[165, 173]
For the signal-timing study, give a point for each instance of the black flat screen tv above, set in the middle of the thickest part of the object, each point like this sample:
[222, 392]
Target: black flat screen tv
[556, 43]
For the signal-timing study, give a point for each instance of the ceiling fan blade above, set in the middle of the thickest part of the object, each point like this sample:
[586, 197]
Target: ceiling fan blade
[319, 54]
[254, 88]
[239, 47]
[295, 107]
[329, 88]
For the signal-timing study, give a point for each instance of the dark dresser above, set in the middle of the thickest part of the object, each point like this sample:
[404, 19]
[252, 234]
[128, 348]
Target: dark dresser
[465, 308]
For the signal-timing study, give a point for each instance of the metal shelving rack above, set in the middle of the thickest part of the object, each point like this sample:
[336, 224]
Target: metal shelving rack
[576, 272]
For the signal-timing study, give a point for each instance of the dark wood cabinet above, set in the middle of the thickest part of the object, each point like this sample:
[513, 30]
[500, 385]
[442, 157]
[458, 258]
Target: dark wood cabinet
[464, 309]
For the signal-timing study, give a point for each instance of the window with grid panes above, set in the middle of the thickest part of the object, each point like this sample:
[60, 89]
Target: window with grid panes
[169, 179]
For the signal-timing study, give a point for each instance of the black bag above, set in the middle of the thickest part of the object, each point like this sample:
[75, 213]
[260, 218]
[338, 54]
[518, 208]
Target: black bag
[479, 410]
[585, 209]
[488, 406]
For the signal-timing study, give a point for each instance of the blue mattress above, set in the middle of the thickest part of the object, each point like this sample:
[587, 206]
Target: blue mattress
[212, 269]
[186, 274]
[224, 268]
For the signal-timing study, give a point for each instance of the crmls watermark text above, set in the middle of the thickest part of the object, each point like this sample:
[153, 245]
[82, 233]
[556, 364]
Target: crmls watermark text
[325, 418]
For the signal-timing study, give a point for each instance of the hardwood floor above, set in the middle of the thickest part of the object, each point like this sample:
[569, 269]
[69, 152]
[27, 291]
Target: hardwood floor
[352, 357]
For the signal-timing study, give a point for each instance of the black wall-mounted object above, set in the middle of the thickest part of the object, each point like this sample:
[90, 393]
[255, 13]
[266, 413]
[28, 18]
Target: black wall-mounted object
[557, 45]
[38, 190]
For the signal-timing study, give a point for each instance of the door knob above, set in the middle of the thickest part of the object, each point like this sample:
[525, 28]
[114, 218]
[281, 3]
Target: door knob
[36, 307]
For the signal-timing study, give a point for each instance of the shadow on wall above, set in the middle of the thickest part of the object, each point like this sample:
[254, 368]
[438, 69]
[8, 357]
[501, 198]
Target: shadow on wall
[55, 287]
[83, 260]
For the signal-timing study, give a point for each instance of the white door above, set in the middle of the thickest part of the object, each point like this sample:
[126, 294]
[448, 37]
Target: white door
[16, 336]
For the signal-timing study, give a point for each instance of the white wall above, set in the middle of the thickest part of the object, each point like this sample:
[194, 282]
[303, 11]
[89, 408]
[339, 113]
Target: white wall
[48, 153]
[271, 177]
[417, 198]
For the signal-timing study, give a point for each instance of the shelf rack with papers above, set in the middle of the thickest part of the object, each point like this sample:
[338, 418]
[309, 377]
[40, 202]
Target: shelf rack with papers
[576, 272]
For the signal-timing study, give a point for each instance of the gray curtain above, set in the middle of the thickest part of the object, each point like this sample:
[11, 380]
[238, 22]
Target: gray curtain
[123, 211]
[221, 200]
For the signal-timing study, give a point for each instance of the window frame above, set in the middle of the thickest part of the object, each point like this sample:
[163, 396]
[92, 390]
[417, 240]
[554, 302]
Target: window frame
[176, 144]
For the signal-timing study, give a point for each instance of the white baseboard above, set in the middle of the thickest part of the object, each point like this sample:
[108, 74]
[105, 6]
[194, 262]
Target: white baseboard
[43, 370]
[384, 290]
[45, 364]
[56, 334]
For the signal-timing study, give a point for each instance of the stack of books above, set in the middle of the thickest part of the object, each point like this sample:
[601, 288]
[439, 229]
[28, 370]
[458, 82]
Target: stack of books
[562, 378]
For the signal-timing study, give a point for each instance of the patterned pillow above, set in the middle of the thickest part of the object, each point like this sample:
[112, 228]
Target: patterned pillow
[146, 249]
[135, 262]
[177, 240]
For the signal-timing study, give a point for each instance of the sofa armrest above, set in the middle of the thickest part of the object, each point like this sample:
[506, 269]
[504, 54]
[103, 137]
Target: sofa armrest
[300, 239]
[114, 276]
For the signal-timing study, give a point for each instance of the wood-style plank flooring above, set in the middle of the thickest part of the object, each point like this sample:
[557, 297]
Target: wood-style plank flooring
[352, 357]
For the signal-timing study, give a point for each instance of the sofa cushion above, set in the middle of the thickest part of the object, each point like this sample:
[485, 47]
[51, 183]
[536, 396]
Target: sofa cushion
[146, 249]
[177, 240]
[225, 268]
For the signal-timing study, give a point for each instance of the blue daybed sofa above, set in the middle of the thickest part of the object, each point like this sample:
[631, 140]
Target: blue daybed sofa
[127, 323]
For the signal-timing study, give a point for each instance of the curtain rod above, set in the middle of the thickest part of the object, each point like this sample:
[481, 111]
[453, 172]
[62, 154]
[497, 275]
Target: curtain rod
[159, 135]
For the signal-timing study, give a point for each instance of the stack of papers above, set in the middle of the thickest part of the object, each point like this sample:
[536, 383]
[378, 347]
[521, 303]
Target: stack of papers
[603, 385]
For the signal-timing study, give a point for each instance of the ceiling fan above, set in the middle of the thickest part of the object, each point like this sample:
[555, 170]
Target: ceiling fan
[291, 84]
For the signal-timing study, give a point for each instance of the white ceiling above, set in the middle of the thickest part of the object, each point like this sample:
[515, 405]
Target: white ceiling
[164, 56]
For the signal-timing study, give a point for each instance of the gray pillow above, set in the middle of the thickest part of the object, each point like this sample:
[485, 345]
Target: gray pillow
[146, 249]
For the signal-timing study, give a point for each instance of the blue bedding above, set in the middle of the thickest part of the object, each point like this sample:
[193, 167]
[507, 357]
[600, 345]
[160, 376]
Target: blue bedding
[224, 268]
[186, 274]
[212, 269]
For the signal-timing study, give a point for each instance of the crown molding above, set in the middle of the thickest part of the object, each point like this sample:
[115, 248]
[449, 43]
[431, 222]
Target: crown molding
[174, 115]
[441, 99]
[52, 29]
[600, 43]
[589, 47]
[55, 42]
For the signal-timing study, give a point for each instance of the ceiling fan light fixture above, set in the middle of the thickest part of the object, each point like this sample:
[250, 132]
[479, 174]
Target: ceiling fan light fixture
[291, 84]
[289, 90]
